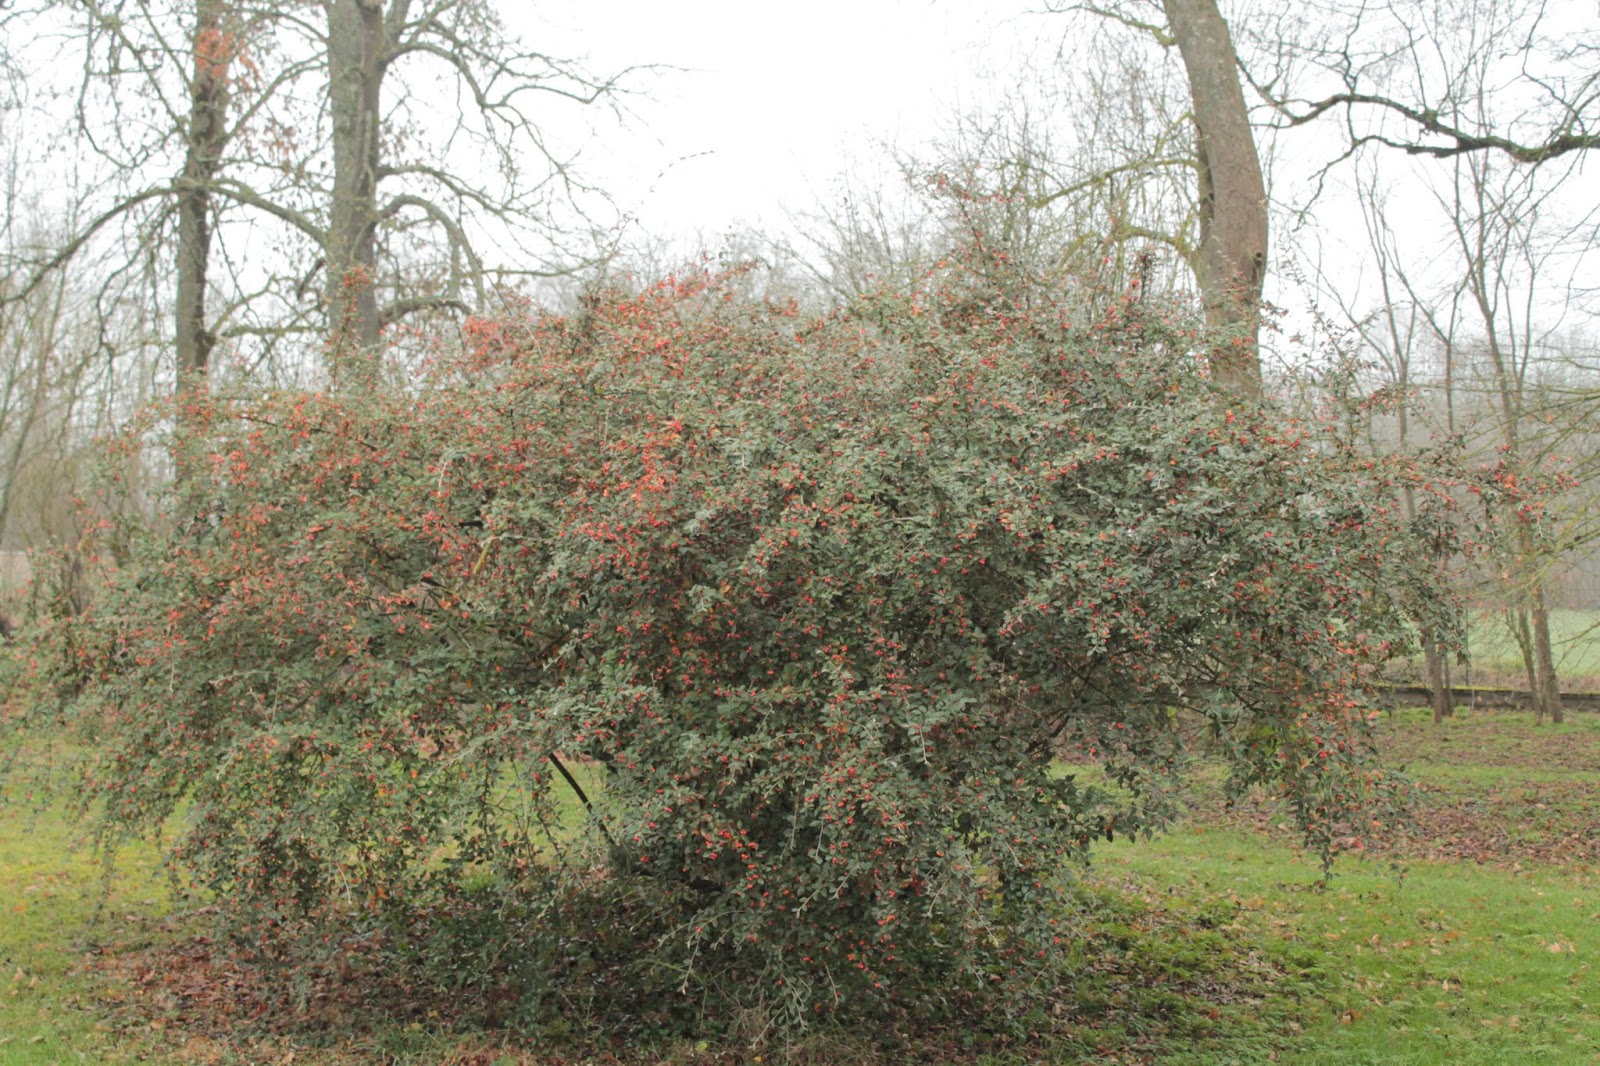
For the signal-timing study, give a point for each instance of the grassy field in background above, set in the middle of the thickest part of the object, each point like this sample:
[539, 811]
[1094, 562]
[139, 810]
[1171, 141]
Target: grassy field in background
[1472, 939]
[1496, 659]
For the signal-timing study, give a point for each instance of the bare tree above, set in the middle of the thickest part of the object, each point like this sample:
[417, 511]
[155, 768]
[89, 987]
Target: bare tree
[1408, 76]
[1491, 300]
[152, 117]
[366, 43]
[293, 126]
[1230, 257]
[1497, 215]
[1233, 197]
[31, 354]
[215, 48]
[62, 381]
[1095, 184]
[1400, 334]
[880, 231]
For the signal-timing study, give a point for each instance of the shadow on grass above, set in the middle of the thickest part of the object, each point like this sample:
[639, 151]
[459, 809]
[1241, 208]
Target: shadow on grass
[1211, 946]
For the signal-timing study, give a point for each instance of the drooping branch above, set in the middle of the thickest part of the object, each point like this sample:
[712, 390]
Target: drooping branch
[1470, 77]
[460, 245]
[41, 271]
[1457, 140]
[396, 310]
[245, 196]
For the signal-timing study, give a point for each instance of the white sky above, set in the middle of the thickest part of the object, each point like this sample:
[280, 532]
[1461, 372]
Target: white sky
[757, 109]
[774, 101]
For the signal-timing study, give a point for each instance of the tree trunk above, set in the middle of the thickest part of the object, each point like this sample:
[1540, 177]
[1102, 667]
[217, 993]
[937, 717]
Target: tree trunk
[207, 135]
[1435, 661]
[1548, 690]
[357, 46]
[1438, 671]
[1544, 686]
[1233, 197]
[1523, 632]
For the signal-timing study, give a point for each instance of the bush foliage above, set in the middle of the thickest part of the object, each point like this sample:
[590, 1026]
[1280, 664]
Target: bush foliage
[799, 615]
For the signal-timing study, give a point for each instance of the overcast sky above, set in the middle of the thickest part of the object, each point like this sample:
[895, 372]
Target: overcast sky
[769, 103]
[755, 110]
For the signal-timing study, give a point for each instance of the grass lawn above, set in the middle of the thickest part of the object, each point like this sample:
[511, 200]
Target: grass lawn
[1496, 659]
[1453, 963]
[56, 912]
[1473, 938]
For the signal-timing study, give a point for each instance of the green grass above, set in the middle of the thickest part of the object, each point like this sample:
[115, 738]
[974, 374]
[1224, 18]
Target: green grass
[1211, 946]
[1574, 639]
[1497, 749]
[1451, 963]
[61, 915]
[1457, 777]
[56, 904]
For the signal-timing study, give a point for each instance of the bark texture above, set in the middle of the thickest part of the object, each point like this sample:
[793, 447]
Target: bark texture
[357, 56]
[214, 50]
[1233, 199]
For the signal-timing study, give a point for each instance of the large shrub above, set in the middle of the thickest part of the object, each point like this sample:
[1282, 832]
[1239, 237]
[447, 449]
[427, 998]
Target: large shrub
[806, 612]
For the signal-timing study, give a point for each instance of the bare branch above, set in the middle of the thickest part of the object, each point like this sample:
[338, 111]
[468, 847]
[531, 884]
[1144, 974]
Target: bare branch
[1458, 141]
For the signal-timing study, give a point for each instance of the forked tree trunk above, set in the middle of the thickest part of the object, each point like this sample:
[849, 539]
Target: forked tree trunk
[1533, 633]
